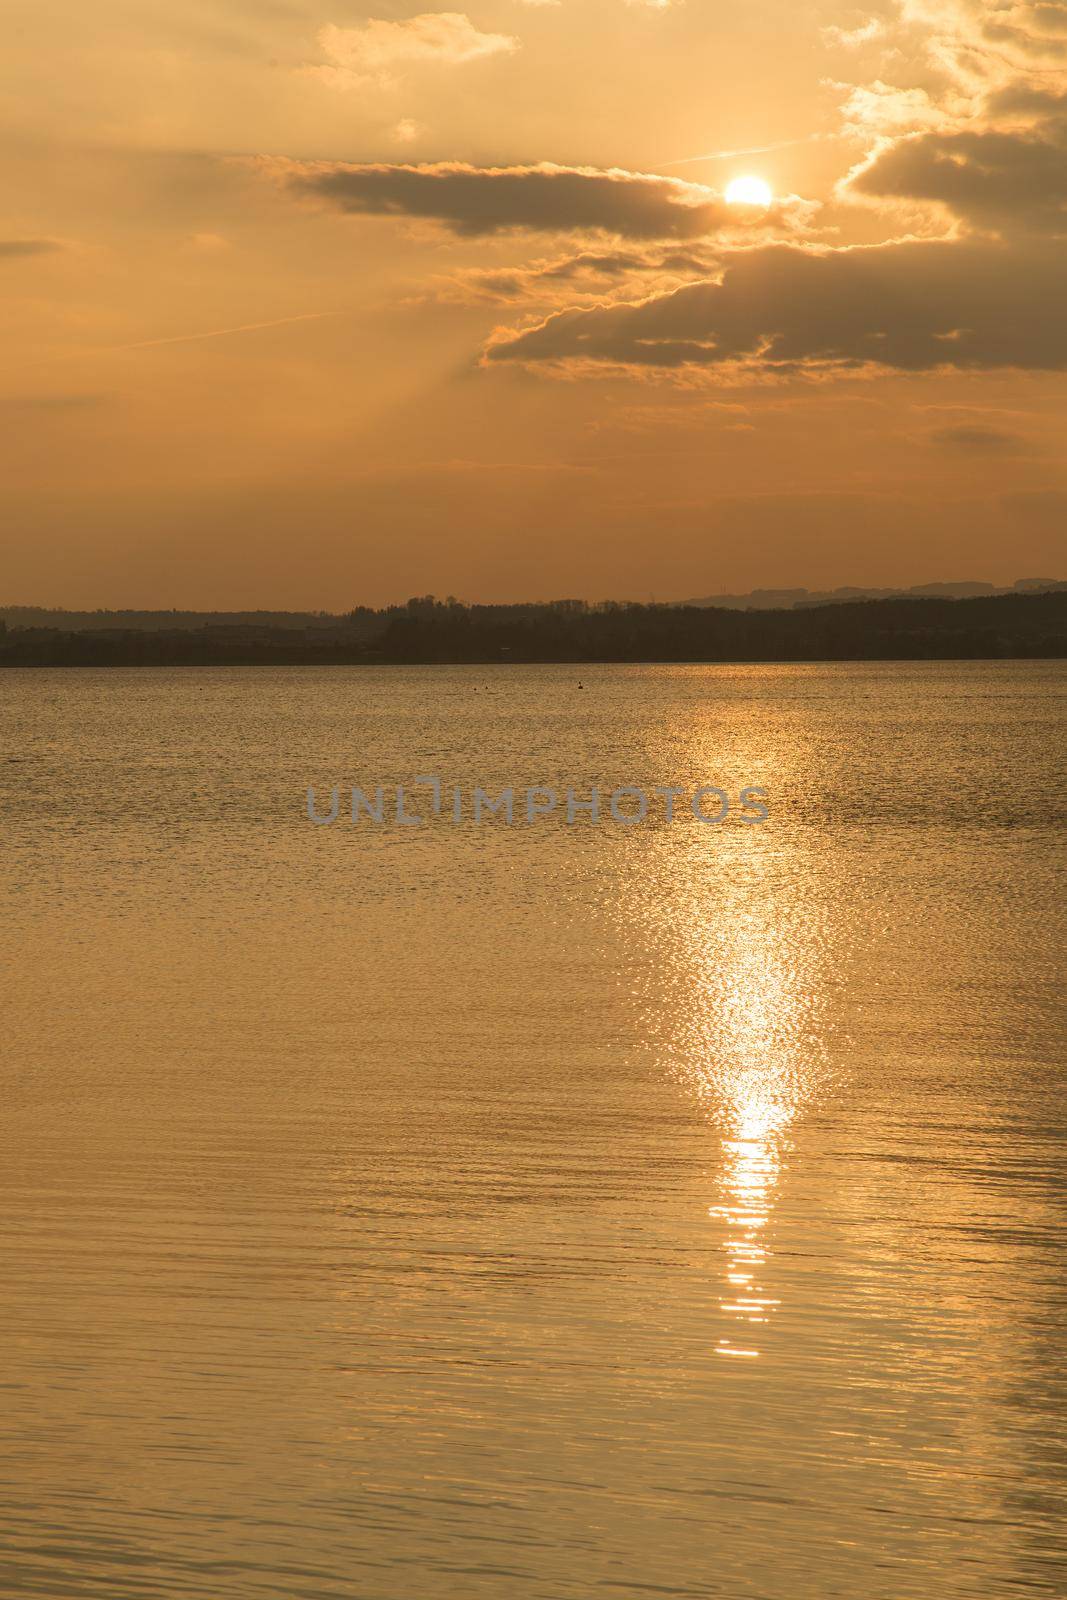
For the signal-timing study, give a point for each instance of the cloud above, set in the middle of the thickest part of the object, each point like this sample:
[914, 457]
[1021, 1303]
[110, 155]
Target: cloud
[1029, 101]
[1029, 28]
[981, 146]
[977, 126]
[852, 38]
[406, 131]
[15, 249]
[373, 53]
[665, 276]
[962, 50]
[992, 179]
[587, 273]
[476, 201]
[882, 108]
[912, 306]
[975, 438]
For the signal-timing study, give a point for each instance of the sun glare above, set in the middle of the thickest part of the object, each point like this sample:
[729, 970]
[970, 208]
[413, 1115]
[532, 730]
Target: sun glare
[748, 192]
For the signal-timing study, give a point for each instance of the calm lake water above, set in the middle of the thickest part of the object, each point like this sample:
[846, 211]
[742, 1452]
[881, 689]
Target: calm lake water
[545, 1211]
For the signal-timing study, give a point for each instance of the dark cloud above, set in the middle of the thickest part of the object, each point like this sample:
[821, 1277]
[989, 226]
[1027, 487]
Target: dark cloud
[16, 248]
[978, 439]
[586, 272]
[475, 201]
[1049, 16]
[1034, 44]
[1026, 98]
[663, 279]
[1029, 27]
[1007, 181]
[912, 306]
[966, 302]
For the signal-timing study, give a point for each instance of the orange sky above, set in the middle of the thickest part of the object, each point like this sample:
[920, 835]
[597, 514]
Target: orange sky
[309, 306]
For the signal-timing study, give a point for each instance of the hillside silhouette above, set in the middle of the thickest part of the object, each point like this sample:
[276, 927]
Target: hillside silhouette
[427, 630]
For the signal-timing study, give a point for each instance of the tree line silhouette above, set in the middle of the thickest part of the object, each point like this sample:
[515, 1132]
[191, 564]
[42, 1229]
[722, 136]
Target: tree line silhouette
[426, 630]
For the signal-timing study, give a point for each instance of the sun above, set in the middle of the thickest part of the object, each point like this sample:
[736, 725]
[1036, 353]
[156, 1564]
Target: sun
[748, 192]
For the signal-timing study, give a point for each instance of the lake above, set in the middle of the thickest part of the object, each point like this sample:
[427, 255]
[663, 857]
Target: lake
[544, 1210]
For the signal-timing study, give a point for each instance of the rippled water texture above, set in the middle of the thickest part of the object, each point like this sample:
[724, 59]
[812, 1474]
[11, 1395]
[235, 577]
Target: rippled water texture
[534, 1212]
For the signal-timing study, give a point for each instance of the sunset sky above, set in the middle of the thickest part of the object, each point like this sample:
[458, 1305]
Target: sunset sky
[310, 306]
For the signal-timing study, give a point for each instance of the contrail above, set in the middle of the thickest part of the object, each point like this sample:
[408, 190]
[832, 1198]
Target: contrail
[753, 150]
[221, 333]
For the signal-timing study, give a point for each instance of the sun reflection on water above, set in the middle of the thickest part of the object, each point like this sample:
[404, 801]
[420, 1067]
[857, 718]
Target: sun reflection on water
[761, 1065]
[738, 1014]
[750, 1171]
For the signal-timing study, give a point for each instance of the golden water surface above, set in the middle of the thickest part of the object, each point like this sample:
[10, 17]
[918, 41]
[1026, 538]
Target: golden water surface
[534, 1212]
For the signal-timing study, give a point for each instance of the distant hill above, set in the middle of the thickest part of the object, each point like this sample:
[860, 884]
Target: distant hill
[364, 619]
[788, 599]
[83, 621]
[1022, 624]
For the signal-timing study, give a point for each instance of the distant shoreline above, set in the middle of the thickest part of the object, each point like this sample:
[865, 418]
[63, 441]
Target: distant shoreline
[428, 632]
